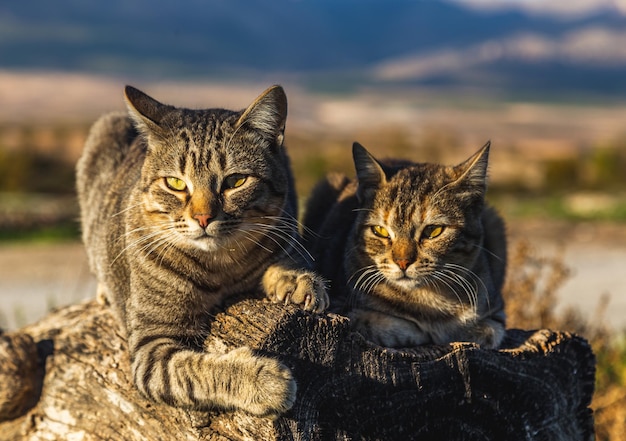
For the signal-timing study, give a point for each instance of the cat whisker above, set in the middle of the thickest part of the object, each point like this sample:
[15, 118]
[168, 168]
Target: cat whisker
[365, 268]
[242, 250]
[151, 247]
[147, 239]
[251, 238]
[430, 283]
[287, 235]
[310, 232]
[492, 254]
[441, 277]
[475, 277]
[467, 271]
[174, 241]
[469, 289]
[155, 245]
[355, 292]
[286, 222]
[367, 287]
[289, 219]
[275, 237]
[374, 282]
[364, 281]
[154, 226]
[126, 209]
[130, 245]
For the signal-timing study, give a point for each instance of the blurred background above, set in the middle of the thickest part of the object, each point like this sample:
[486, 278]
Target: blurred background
[424, 80]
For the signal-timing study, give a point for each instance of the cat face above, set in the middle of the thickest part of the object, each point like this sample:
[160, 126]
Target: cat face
[213, 179]
[418, 225]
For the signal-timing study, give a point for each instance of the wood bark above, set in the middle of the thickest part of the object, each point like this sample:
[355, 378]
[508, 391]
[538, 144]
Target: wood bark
[67, 377]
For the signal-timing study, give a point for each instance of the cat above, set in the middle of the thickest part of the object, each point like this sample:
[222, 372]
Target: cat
[182, 212]
[413, 253]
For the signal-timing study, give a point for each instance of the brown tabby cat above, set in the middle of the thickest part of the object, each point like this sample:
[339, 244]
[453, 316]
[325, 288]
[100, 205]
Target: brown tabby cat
[421, 254]
[183, 211]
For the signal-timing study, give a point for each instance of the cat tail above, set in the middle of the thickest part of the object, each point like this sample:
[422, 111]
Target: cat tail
[323, 196]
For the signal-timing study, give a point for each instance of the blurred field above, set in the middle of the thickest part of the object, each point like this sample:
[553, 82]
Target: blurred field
[568, 157]
[557, 174]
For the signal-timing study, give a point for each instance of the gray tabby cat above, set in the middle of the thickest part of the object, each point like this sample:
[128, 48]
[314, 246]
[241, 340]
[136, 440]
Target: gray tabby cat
[421, 254]
[182, 212]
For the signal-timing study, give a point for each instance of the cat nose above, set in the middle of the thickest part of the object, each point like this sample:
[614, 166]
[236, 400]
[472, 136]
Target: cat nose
[403, 263]
[203, 219]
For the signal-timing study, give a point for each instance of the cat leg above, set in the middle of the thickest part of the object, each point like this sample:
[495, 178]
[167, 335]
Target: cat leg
[387, 330]
[167, 372]
[264, 386]
[303, 287]
[488, 333]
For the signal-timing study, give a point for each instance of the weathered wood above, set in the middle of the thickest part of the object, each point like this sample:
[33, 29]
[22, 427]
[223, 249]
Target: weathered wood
[72, 368]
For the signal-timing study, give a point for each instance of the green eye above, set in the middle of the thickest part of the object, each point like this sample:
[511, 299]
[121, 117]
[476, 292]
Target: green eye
[175, 184]
[380, 231]
[432, 231]
[234, 181]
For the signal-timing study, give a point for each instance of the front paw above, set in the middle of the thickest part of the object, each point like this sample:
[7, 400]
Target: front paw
[386, 330]
[302, 287]
[266, 387]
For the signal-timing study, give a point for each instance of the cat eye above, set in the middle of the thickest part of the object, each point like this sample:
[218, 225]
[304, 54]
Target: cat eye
[432, 231]
[175, 184]
[380, 231]
[234, 181]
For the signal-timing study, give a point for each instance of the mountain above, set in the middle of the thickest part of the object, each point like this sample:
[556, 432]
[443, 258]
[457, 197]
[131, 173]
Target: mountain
[371, 41]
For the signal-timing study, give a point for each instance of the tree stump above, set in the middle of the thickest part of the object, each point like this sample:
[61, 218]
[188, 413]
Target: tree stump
[67, 377]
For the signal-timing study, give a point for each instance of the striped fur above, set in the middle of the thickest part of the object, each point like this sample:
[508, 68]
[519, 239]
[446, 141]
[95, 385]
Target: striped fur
[182, 212]
[371, 238]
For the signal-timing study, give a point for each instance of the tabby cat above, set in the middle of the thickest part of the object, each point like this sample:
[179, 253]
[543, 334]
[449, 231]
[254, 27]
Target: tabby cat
[182, 212]
[413, 253]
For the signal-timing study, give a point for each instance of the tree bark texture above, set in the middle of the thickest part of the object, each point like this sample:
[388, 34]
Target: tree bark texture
[67, 377]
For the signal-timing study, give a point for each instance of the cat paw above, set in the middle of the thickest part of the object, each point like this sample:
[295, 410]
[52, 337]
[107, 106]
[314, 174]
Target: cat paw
[302, 287]
[488, 334]
[387, 330]
[266, 386]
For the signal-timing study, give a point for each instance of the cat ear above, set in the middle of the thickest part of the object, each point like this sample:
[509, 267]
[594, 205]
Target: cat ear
[147, 112]
[268, 114]
[473, 171]
[369, 172]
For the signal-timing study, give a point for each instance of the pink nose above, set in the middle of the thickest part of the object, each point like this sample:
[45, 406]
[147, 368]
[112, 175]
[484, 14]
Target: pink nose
[403, 263]
[203, 219]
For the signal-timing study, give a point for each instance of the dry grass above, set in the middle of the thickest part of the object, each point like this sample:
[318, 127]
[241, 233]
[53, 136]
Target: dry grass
[531, 296]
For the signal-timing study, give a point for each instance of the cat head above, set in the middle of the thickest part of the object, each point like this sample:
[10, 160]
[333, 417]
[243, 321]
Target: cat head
[417, 223]
[209, 176]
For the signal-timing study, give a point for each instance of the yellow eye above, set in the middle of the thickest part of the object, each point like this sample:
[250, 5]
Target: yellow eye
[235, 181]
[175, 184]
[433, 231]
[380, 231]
